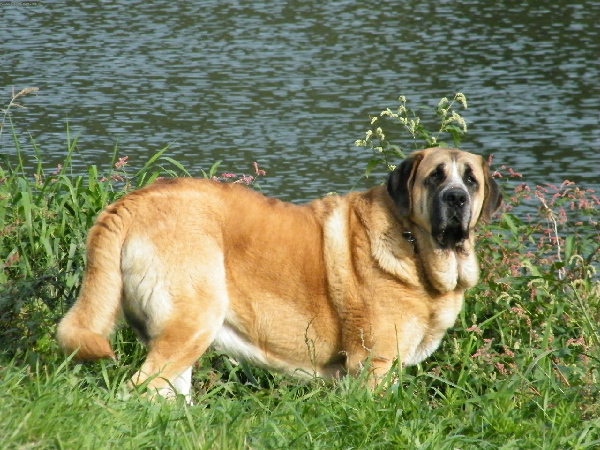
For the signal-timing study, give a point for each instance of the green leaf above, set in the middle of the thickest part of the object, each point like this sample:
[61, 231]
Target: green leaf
[371, 165]
[176, 164]
[212, 171]
[569, 241]
[508, 219]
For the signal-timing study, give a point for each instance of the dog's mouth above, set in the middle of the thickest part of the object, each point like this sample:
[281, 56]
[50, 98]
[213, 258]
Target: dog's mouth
[452, 234]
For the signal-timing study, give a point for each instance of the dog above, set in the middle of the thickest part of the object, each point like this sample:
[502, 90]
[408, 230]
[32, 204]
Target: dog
[332, 287]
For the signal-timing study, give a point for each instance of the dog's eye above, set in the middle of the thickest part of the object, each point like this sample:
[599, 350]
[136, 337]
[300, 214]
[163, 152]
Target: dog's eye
[438, 175]
[470, 180]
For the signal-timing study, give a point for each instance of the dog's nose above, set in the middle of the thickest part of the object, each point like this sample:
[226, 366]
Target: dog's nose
[455, 197]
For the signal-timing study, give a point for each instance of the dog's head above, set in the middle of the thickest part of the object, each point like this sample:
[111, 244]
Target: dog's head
[444, 191]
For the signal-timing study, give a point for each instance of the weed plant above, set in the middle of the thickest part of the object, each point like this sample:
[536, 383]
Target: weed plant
[520, 368]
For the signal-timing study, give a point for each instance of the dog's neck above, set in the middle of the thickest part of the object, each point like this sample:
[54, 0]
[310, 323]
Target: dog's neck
[400, 246]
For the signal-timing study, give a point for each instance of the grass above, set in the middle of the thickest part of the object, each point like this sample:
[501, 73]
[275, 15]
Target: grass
[520, 368]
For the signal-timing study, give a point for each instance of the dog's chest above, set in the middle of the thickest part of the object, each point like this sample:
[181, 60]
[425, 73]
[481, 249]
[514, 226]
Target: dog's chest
[443, 313]
[446, 310]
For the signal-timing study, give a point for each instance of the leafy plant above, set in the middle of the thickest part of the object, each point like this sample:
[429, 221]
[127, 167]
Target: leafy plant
[409, 131]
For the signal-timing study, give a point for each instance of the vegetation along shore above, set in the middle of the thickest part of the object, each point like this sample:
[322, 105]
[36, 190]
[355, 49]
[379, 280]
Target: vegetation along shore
[519, 369]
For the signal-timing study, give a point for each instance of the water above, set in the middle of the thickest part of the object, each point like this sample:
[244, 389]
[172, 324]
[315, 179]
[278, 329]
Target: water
[291, 84]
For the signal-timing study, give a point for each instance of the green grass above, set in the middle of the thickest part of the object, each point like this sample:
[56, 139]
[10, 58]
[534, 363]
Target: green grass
[520, 368]
[57, 405]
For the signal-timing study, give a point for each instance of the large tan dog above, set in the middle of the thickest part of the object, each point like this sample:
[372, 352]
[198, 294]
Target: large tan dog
[323, 288]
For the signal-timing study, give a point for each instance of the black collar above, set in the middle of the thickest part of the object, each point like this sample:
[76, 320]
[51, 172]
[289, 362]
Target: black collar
[410, 238]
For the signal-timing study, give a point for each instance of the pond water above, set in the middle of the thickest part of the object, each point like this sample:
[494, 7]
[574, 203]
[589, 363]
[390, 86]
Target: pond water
[291, 84]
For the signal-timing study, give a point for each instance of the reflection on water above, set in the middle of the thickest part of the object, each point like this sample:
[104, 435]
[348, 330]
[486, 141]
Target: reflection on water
[291, 84]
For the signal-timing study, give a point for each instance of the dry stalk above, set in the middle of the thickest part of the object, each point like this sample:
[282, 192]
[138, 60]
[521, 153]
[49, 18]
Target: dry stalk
[14, 104]
[552, 219]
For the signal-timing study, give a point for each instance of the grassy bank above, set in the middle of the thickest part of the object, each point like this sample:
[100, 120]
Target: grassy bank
[520, 368]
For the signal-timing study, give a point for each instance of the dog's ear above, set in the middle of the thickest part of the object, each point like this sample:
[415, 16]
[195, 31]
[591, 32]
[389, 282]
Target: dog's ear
[492, 199]
[400, 183]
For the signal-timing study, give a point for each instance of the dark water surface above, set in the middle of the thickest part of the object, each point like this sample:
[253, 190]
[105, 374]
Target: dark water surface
[291, 84]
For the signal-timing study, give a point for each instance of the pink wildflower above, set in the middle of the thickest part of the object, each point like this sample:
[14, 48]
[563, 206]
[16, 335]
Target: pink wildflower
[11, 260]
[475, 329]
[247, 179]
[577, 342]
[520, 312]
[121, 162]
[483, 351]
[508, 352]
[501, 368]
[257, 171]
[514, 174]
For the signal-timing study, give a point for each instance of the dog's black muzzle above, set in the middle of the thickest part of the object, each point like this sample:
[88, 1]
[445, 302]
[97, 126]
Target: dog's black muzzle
[451, 216]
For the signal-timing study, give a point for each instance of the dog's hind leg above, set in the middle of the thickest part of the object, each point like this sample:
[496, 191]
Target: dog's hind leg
[167, 368]
[171, 354]
[180, 333]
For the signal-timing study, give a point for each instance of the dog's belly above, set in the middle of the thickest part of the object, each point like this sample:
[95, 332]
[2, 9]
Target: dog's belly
[229, 341]
[301, 364]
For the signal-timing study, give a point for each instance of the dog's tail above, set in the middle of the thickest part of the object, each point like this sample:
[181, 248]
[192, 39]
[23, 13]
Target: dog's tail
[86, 327]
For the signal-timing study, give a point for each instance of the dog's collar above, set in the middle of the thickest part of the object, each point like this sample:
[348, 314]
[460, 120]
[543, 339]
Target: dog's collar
[410, 238]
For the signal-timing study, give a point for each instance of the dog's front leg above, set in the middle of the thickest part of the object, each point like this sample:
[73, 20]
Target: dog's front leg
[368, 362]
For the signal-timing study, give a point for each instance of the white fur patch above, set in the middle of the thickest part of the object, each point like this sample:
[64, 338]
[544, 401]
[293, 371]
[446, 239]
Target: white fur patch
[337, 252]
[229, 341]
[416, 342]
[455, 179]
[468, 270]
[424, 350]
[335, 230]
[446, 279]
[408, 338]
[146, 293]
[183, 384]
